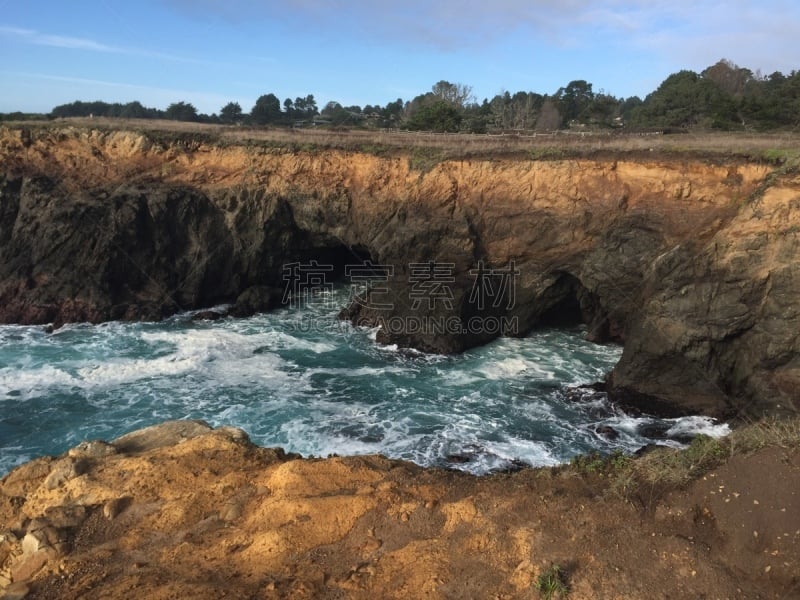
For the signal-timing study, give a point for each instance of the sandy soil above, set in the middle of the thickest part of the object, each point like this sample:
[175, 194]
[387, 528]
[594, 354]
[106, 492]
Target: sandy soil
[182, 511]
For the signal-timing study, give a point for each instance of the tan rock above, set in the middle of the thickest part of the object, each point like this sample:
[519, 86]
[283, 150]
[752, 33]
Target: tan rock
[15, 591]
[169, 433]
[113, 508]
[63, 470]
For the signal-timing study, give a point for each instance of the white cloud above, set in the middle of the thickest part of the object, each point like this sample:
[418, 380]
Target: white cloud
[122, 92]
[31, 36]
[58, 41]
[765, 34]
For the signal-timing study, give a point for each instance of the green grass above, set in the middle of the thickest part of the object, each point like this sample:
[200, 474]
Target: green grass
[782, 156]
[600, 464]
[662, 469]
[425, 158]
[665, 468]
[552, 583]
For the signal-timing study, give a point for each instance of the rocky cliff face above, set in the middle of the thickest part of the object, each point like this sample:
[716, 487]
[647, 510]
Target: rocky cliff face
[691, 264]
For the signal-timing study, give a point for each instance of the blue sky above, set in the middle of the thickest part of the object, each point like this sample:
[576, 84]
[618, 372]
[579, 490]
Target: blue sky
[210, 52]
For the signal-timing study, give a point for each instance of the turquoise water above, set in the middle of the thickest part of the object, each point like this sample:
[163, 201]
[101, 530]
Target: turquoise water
[300, 379]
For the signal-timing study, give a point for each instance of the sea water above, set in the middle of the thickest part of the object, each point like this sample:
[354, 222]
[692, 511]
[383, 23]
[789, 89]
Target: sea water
[300, 379]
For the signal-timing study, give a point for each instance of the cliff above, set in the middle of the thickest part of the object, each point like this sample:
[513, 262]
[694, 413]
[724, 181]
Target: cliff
[179, 510]
[689, 261]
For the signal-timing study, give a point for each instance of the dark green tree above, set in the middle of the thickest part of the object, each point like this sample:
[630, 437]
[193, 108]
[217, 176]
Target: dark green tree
[266, 110]
[436, 115]
[181, 111]
[685, 99]
[340, 115]
[574, 101]
[231, 113]
[135, 110]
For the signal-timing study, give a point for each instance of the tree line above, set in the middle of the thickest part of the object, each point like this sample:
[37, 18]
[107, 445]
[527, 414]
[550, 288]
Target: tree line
[724, 96]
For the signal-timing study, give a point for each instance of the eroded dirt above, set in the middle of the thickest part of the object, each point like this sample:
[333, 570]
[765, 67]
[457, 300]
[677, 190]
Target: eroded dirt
[207, 514]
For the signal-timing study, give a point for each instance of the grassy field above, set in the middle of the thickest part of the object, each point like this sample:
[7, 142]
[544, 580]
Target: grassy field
[774, 148]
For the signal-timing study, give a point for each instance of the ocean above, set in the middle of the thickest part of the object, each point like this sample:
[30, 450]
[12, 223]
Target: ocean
[300, 379]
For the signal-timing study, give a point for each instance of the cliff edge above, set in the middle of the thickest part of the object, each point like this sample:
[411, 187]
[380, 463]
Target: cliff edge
[690, 262]
[179, 510]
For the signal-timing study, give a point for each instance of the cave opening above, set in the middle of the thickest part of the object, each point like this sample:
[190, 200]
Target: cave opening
[336, 260]
[565, 313]
[568, 303]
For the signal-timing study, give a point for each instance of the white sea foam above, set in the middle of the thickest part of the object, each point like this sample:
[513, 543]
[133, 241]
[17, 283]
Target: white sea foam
[503, 369]
[17, 381]
[492, 407]
[697, 425]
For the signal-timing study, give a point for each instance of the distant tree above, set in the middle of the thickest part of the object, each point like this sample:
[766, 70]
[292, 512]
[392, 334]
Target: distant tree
[231, 113]
[628, 106]
[549, 117]
[685, 99]
[436, 115]
[393, 111]
[574, 100]
[519, 111]
[340, 115]
[305, 108]
[731, 78]
[602, 110]
[181, 111]
[267, 109]
[457, 94]
[135, 110]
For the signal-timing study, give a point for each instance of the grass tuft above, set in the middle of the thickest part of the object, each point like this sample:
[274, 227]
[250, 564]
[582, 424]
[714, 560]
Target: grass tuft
[552, 583]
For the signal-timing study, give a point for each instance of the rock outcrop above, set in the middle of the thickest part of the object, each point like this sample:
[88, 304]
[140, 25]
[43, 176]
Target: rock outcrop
[692, 264]
[180, 510]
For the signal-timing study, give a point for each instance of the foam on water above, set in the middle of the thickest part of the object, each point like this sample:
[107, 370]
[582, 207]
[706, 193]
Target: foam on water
[319, 389]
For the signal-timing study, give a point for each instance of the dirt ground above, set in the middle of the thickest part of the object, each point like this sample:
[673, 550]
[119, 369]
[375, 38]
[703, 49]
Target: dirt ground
[183, 511]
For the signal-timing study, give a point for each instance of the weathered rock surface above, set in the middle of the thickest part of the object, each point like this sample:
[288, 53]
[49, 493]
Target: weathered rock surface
[187, 511]
[691, 264]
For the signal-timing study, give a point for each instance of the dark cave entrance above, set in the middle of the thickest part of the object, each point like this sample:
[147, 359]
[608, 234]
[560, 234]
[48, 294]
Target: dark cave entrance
[337, 259]
[568, 303]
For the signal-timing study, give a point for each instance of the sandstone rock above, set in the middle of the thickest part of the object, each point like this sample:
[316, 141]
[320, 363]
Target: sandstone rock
[29, 564]
[113, 508]
[164, 434]
[63, 470]
[65, 517]
[14, 591]
[92, 449]
[234, 433]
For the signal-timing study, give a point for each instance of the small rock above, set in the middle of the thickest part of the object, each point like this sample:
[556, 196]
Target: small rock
[15, 591]
[234, 433]
[42, 538]
[64, 470]
[93, 449]
[162, 435]
[458, 459]
[607, 431]
[256, 299]
[230, 511]
[207, 315]
[66, 517]
[29, 565]
[113, 508]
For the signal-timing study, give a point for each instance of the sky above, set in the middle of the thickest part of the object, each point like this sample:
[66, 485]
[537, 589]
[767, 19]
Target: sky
[211, 52]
